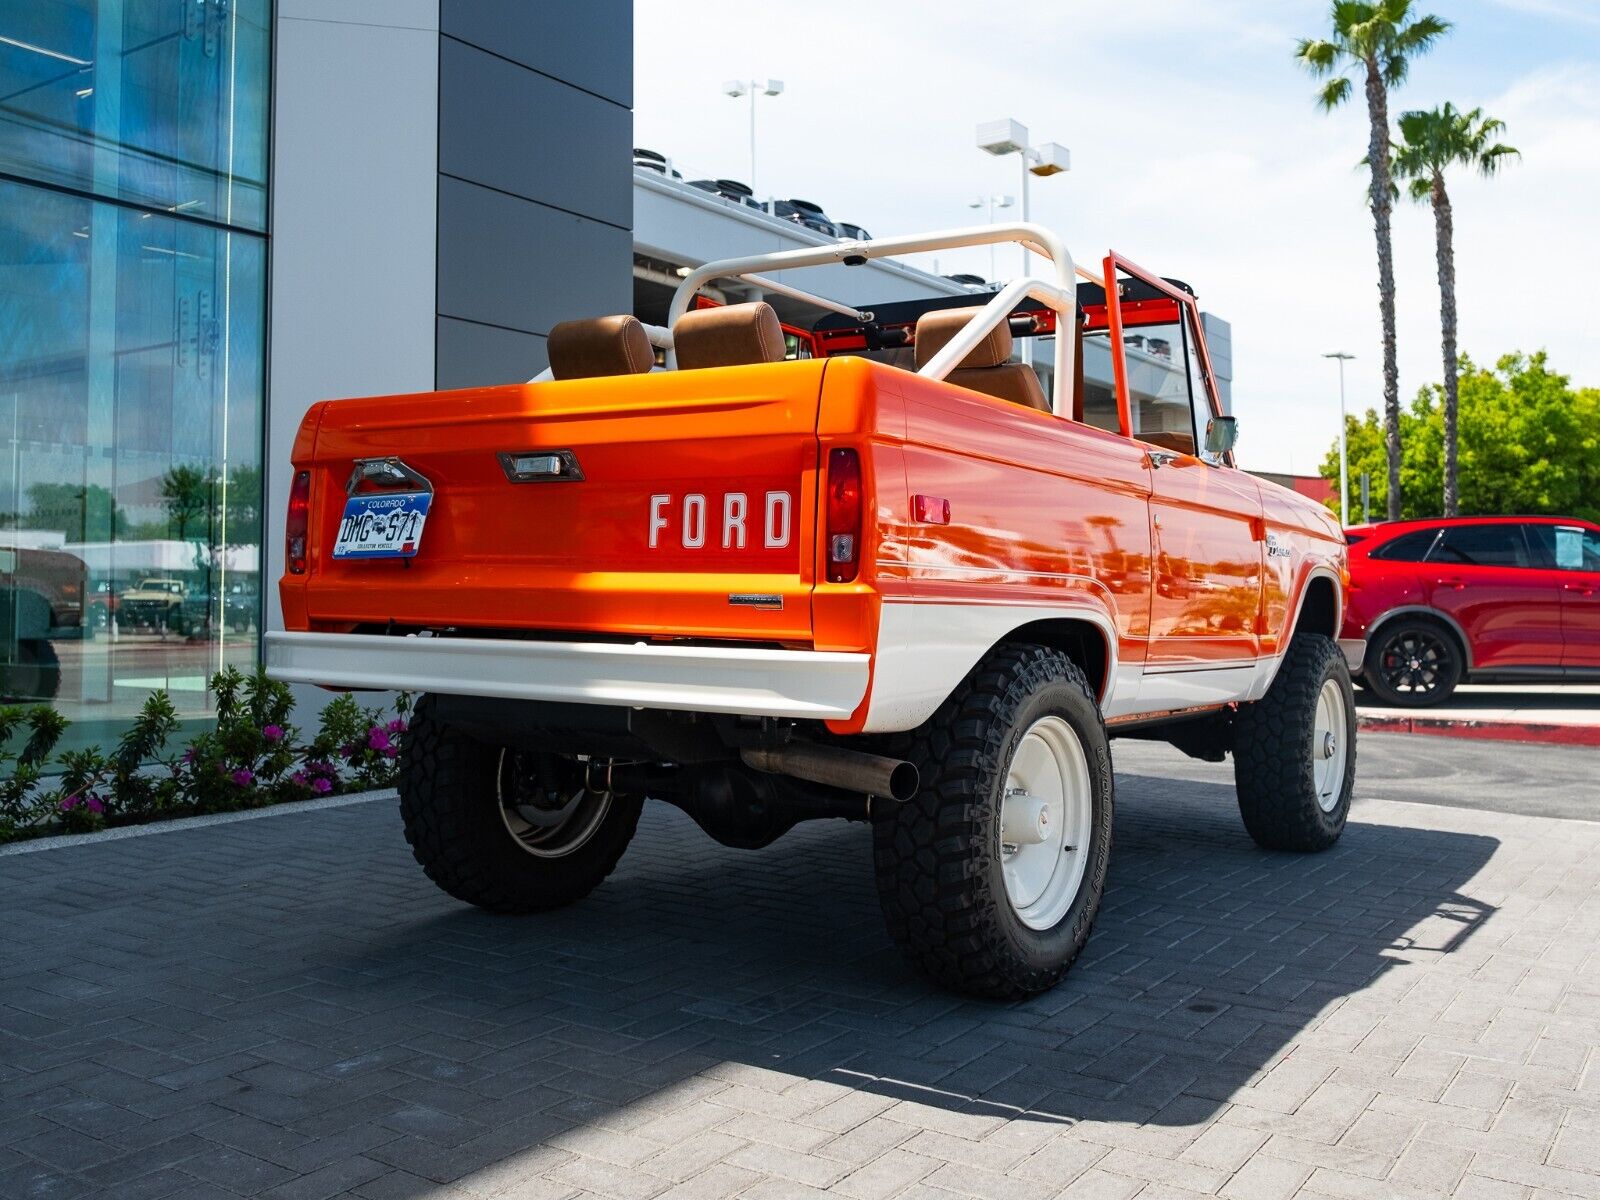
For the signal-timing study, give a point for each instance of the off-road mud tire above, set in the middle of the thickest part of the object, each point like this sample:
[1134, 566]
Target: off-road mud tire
[449, 803]
[1272, 751]
[937, 855]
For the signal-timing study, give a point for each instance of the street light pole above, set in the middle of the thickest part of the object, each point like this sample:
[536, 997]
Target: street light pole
[1344, 451]
[1011, 137]
[993, 203]
[754, 87]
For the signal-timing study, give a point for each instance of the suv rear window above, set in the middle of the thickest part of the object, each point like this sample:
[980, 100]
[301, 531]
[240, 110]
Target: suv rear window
[1483, 546]
[1408, 547]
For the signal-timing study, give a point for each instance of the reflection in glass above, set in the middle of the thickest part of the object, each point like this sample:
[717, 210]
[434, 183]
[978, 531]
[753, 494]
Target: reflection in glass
[130, 453]
[158, 102]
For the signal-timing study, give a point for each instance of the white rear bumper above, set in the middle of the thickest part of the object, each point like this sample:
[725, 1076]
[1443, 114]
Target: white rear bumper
[775, 683]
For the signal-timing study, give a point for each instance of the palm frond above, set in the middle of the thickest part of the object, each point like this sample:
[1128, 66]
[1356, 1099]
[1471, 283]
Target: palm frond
[1420, 189]
[1490, 161]
[1334, 93]
[1317, 56]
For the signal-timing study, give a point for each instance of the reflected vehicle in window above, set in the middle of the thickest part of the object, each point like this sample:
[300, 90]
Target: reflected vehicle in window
[1486, 599]
[41, 599]
[153, 604]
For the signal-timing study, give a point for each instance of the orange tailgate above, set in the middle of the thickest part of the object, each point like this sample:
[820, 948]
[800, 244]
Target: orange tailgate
[694, 517]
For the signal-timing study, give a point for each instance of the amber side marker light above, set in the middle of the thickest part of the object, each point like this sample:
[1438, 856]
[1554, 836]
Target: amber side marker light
[844, 515]
[297, 524]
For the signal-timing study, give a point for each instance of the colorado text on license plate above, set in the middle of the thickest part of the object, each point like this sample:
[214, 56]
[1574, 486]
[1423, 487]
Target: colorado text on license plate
[382, 526]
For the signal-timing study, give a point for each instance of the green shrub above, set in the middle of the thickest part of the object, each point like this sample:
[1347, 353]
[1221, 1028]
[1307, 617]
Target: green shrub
[253, 757]
[20, 771]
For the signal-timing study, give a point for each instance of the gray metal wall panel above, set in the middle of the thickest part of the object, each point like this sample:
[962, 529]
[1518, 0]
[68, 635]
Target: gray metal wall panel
[353, 295]
[514, 129]
[472, 355]
[590, 45]
[510, 262]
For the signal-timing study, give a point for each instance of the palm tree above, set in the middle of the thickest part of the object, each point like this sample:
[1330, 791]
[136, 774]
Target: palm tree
[1376, 39]
[1431, 142]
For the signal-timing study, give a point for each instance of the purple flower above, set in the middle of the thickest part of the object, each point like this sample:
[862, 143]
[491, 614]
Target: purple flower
[273, 733]
[391, 752]
[94, 804]
[70, 802]
[300, 779]
[244, 777]
[190, 755]
[398, 725]
[378, 739]
[322, 785]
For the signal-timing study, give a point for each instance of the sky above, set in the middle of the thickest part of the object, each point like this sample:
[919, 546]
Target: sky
[1197, 151]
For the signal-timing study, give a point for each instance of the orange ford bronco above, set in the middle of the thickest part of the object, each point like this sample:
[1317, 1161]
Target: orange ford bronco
[896, 580]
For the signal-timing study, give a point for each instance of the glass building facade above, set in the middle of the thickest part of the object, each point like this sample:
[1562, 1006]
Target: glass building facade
[133, 247]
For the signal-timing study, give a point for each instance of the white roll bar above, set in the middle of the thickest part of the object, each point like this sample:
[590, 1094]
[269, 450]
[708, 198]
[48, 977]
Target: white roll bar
[1060, 293]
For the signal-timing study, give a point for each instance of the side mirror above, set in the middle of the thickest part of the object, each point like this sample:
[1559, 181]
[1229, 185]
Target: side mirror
[1222, 434]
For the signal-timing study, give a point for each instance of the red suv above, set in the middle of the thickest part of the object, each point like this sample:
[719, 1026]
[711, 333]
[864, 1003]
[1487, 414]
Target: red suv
[1493, 599]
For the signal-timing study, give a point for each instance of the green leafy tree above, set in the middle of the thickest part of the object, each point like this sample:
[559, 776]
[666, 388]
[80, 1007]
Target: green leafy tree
[1375, 40]
[85, 513]
[186, 492]
[1430, 144]
[1530, 443]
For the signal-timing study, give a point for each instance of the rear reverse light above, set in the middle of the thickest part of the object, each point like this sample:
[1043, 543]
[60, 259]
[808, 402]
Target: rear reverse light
[844, 515]
[297, 523]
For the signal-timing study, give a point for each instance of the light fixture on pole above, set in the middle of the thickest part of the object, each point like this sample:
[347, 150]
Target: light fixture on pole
[992, 203]
[1344, 450]
[1011, 137]
[752, 88]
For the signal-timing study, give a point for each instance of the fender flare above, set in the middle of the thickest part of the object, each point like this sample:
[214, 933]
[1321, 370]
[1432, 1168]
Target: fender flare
[926, 647]
[1317, 571]
[1267, 667]
[1422, 610]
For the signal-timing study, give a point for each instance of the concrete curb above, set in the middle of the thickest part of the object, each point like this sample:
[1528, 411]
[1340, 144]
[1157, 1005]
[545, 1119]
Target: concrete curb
[180, 824]
[1486, 730]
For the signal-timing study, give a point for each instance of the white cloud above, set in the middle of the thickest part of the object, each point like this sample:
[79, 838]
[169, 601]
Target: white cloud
[1197, 151]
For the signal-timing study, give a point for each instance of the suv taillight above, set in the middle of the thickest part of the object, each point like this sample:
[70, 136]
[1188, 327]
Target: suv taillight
[844, 515]
[298, 522]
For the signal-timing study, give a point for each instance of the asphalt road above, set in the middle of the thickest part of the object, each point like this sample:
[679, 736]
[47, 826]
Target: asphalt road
[1509, 777]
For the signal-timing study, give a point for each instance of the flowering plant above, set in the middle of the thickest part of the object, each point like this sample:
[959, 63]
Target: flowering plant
[252, 757]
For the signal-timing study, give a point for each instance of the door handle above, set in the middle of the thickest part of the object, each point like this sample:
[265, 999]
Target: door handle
[1582, 589]
[1161, 458]
[1453, 582]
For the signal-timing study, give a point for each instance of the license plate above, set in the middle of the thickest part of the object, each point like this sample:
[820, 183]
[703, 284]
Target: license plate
[383, 525]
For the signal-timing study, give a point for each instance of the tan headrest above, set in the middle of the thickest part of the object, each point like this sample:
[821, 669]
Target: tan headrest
[735, 335]
[935, 329]
[599, 346]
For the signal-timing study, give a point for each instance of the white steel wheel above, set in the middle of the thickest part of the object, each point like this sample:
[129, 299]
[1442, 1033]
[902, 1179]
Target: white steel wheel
[1045, 822]
[543, 830]
[1330, 745]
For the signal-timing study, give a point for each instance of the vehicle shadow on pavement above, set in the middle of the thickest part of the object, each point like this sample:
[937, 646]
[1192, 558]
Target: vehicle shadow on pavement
[294, 993]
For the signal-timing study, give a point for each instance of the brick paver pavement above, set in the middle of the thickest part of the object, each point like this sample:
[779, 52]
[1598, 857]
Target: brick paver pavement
[286, 1008]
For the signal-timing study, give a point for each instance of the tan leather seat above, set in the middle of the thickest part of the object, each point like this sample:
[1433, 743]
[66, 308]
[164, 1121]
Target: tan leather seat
[732, 336]
[987, 368]
[599, 346]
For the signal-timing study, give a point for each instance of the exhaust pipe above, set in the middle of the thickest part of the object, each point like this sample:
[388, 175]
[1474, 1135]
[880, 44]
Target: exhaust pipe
[833, 766]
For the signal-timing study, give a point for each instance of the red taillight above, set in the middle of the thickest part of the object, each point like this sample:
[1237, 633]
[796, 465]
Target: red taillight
[844, 515]
[298, 522]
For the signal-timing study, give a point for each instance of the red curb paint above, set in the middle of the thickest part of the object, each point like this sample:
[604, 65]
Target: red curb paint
[1498, 731]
